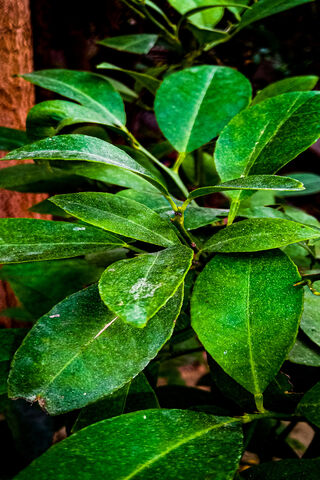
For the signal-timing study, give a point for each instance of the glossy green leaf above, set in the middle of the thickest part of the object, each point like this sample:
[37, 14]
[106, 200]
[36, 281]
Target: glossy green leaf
[84, 148]
[258, 234]
[310, 405]
[233, 313]
[143, 79]
[135, 395]
[90, 90]
[139, 43]
[41, 285]
[310, 322]
[80, 352]
[261, 212]
[195, 217]
[154, 444]
[28, 239]
[311, 182]
[137, 288]
[11, 138]
[264, 138]
[291, 84]
[289, 469]
[118, 215]
[305, 353]
[126, 93]
[300, 216]
[207, 18]
[10, 339]
[265, 8]
[254, 182]
[192, 106]
[48, 118]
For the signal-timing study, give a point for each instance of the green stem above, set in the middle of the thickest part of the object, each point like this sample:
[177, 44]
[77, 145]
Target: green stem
[258, 398]
[178, 162]
[234, 207]
[251, 417]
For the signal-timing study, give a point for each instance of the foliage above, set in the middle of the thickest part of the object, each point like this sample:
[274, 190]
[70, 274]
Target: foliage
[160, 274]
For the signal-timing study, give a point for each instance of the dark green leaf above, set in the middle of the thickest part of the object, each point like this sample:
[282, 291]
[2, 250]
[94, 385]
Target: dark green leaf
[289, 469]
[135, 395]
[291, 84]
[310, 405]
[265, 8]
[80, 352]
[137, 288]
[10, 339]
[11, 138]
[258, 234]
[233, 313]
[305, 353]
[28, 239]
[118, 215]
[310, 322]
[138, 43]
[81, 147]
[153, 444]
[90, 90]
[143, 79]
[192, 106]
[311, 182]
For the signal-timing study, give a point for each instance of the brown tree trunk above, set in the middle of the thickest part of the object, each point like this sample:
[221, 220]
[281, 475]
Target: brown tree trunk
[16, 98]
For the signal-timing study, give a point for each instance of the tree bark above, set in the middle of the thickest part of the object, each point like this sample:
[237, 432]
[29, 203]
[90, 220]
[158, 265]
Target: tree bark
[16, 98]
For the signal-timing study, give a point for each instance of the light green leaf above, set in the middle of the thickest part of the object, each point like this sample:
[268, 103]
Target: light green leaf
[264, 138]
[135, 395]
[310, 405]
[254, 182]
[291, 84]
[80, 352]
[153, 444]
[126, 93]
[28, 239]
[305, 353]
[233, 313]
[10, 339]
[143, 79]
[261, 212]
[48, 118]
[289, 469]
[300, 216]
[259, 234]
[311, 182]
[265, 8]
[192, 106]
[207, 18]
[118, 215]
[11, 138]
[89, 89]
[137, 288]
[310, 322]
[84, 148]
[139, 43]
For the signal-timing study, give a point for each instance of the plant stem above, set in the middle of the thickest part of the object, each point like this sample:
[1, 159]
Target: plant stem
[258, 398]
[178, 162]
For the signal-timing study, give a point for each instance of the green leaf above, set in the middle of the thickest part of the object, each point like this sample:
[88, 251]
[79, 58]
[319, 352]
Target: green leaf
[261, 212]
[10, 339]
[258, 234]
[139, 43]
[310, 322]
[118, 215]
[192, 106]
[289, 469]
[137, 288]
[85, 148]
[48, 118]
[291, 84]
[135, 395]
[89, 89]
[310, 405]
[305, 353]
[80, 352]
[265, 8]
[254, 182]
[41, 285]
[126, 93]
[11, 138]
[311, 182]
[143, 79]
[155, 444]
[207, 18]
[195, 217]
[233, 313]
[28, 239]
[264, 138]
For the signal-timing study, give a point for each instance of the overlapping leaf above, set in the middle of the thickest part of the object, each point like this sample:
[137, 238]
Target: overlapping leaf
[291, 84]
[138, 43]
[310, 405]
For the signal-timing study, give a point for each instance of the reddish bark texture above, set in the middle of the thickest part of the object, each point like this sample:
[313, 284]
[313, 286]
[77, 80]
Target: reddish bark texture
[16, 98]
